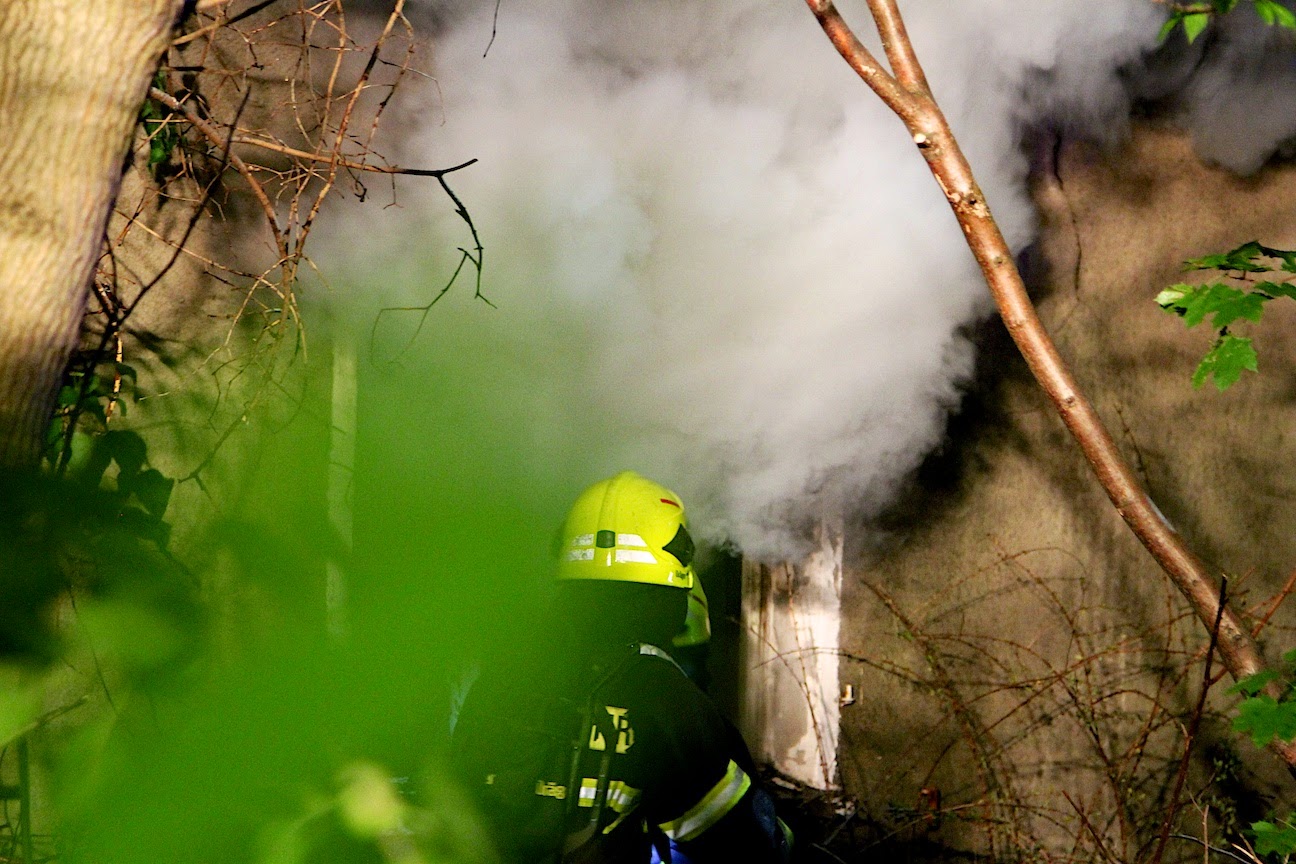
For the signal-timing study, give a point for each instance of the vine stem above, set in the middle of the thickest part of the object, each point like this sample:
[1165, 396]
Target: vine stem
[907, 94]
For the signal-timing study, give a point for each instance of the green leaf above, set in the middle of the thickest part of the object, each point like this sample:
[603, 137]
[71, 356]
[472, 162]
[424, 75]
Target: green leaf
[98, 387]
[1223, 7]
[128, 451]
[153, 491]
[68, 396]
[135, 634]
[1168, 27]
[367, 802]
[1225, 303]
[54, 438]
[84, 453]
[1275, 13]
[1273, 290]
[1194, 24]
[1253, 684]
[94, 408]
[1278, 839]
[1226, 362]
[19, 706]
[145, 526]
[90, 458]
[1235, 305]
[281, 842]
[1263, 718]
[1242, 258]
[1170, 298]
[1203, 300]
[1287, 256]
[1290, 657]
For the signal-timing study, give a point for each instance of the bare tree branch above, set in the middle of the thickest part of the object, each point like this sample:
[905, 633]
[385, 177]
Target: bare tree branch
[222, 144]
[860, 58]
[899, 49]
[932, 135]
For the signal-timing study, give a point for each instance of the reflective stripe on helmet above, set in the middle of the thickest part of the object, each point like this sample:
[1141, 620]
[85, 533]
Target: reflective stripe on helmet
[634, 556]
[722, 798]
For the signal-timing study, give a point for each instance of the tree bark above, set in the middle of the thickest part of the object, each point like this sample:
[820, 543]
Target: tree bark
[907, 94]
[73, 74]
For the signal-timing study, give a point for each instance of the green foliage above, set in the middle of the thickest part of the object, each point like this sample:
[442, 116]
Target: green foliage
[1265, 718]
[1274, 838]
[161, 128]
[366, 811]
[238, 730]
[1274, 13]
[1195, 17]
[1261, 715]
[80, 445]
[1226, 361]
[1227, 304]
[1253, 684]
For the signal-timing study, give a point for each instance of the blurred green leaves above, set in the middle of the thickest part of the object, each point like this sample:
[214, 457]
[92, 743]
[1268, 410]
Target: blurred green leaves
[134, 633]
[20, 704]
[224, 724]
[1274, 13]
[365, 813]
[1195, 17]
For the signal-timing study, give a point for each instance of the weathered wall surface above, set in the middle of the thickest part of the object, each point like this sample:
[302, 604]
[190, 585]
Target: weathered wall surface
[1013, 648]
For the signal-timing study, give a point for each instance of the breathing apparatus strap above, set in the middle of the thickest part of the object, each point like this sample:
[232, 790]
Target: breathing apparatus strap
[577, 839]
[647, 650]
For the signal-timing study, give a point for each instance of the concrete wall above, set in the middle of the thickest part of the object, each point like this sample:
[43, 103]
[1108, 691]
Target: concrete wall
[1017, 659]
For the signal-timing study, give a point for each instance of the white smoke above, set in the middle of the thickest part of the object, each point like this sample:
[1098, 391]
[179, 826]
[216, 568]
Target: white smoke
[720, 259]
[1241, 103]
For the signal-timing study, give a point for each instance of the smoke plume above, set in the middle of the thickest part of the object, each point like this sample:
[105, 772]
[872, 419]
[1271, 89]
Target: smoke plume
[716, 258]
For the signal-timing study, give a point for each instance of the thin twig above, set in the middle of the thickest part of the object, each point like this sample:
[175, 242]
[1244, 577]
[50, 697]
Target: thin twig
[239, 165]
[346, 163]
[930, 131]
[1217, 849]
[1190, 735]
[494, 29]
[49, 717]
[1283, 593]
[1093, 832]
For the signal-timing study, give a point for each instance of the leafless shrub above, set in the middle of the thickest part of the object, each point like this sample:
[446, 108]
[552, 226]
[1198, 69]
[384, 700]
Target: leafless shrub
[263, 111]
[1095, 722]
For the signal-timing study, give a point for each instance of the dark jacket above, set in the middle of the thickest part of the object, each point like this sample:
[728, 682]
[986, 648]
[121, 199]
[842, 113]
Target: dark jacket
[595, 757]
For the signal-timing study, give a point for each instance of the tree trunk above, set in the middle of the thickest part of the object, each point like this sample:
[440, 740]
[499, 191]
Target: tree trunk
[73, 74]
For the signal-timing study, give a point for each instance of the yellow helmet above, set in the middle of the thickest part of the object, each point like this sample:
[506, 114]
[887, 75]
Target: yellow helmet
[697, 621]
[627, 529]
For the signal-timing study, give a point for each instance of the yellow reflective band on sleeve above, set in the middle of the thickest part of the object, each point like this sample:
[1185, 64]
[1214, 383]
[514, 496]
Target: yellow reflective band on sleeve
[621, 796]
[612, 827]
[722, 798]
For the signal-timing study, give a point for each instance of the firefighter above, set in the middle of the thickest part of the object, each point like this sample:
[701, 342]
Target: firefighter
[691, 646]
[595, 746]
